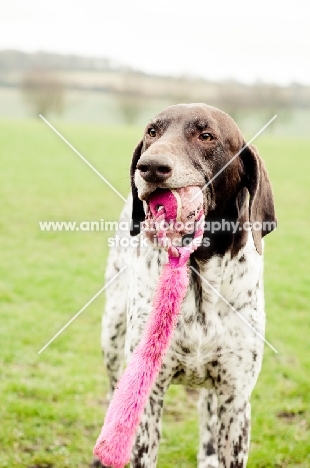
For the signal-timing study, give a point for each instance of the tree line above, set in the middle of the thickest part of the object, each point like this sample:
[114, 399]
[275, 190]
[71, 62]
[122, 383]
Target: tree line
[44, 79]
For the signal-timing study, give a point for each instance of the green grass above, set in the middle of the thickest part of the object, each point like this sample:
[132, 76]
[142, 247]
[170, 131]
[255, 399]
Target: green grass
[52, 405]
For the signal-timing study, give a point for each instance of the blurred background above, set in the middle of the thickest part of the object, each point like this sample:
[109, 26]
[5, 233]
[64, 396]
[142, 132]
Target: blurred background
[118, 62]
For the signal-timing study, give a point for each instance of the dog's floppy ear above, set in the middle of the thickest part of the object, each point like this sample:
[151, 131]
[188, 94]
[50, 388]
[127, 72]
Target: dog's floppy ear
[261, 205]
[138, 215]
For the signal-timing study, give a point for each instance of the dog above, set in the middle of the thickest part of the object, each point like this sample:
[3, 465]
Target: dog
[212, 348]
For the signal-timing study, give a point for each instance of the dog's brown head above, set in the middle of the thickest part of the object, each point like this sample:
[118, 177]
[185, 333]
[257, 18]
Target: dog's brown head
[196, 144]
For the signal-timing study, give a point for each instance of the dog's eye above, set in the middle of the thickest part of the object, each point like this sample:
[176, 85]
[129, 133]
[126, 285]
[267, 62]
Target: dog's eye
[205, 137]
[152, 132]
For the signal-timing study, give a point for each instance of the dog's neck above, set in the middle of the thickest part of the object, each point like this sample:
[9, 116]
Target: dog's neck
[219, 242]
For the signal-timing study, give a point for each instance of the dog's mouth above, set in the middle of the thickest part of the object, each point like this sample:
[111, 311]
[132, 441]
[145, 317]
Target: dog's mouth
[149, 189]
[173, 213]
[146, 189]
[186, 201]
[154, 188]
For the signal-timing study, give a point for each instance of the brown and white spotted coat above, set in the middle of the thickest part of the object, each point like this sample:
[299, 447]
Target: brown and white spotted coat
[212, 348]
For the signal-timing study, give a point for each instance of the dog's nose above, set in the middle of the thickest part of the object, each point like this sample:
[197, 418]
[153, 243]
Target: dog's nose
[154, 169]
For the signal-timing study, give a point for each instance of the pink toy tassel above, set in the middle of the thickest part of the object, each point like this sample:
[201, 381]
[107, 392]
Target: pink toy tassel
[114, 445]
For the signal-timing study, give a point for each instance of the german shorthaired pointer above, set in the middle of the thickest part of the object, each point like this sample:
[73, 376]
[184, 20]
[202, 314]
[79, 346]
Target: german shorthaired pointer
[212, 348]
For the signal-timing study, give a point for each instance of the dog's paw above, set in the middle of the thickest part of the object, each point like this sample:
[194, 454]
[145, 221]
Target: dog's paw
[208, 462]
[97, 464]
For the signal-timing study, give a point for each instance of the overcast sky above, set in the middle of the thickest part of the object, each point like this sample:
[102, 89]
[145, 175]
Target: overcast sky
[244, 40]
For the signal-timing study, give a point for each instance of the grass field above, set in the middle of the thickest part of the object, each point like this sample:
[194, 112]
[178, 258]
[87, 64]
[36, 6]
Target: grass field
[52, 404]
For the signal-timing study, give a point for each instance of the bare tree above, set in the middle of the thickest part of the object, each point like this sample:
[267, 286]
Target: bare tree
[182, 91]
[130, 98]
[43, 91]
[232, 99]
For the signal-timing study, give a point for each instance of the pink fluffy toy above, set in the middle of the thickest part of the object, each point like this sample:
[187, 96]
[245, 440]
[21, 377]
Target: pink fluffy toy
[176, 209]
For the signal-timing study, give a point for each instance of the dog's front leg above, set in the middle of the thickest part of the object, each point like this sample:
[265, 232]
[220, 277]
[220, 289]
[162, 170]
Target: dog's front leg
[207, 413]
[145, 450]
[234, 414]
[114, 320]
